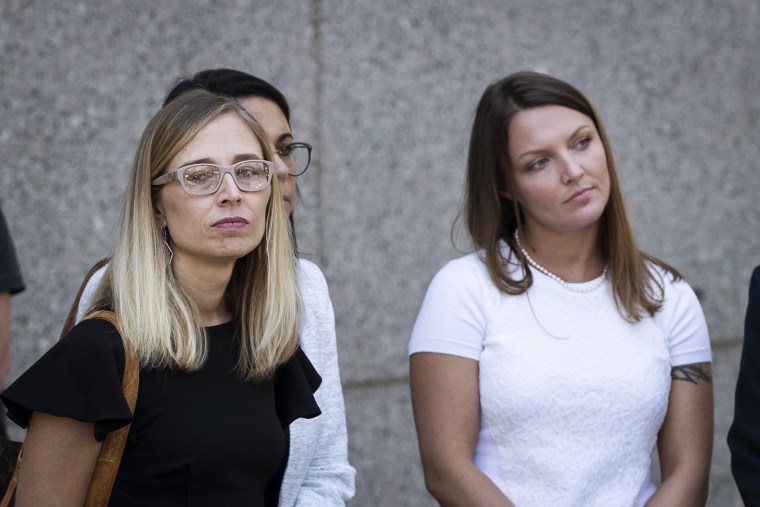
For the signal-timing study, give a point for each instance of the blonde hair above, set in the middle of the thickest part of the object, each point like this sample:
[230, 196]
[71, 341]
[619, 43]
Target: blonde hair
[491, 216]
[159, 320]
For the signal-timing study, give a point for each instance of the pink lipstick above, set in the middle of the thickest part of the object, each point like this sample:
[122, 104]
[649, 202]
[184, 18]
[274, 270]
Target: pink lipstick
[580, 194]
[231, 223]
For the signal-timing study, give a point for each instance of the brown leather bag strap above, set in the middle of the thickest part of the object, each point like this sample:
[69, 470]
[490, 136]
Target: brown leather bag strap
[10, 491]
[110, 453]
[113, 447]
[72, 316]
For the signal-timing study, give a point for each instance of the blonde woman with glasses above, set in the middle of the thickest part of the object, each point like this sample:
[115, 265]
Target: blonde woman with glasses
[203, 281]
[315, 470]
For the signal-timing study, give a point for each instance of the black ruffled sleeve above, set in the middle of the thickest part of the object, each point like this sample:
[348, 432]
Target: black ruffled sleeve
[295, 383]
[79, 378]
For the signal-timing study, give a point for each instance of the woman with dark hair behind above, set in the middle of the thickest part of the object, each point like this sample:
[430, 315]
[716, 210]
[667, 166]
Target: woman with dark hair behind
[315, 471]
[547, 365]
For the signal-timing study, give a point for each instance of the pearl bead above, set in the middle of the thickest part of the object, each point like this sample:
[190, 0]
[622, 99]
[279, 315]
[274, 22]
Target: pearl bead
[568, 286]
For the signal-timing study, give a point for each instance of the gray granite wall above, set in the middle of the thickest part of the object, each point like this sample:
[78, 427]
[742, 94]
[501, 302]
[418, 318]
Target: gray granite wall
[386, 92]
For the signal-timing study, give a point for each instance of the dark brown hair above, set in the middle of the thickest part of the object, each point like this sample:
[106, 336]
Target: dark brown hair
[492, 217]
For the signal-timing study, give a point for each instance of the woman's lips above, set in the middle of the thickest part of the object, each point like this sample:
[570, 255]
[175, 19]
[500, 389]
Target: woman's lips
[231, 223]
[580, 194]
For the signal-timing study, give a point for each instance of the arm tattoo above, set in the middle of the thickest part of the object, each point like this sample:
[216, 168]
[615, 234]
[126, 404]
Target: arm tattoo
[692, 373]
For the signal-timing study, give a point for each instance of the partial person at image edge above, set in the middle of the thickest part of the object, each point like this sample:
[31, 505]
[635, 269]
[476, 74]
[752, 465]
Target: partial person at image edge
[744, 435]
[11, 282]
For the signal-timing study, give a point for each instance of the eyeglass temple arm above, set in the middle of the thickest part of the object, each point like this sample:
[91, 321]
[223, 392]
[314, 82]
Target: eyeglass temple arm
[164, 178]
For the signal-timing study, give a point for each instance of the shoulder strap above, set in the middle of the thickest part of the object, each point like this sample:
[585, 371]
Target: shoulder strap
[10, 453]
[113, 447]
[104, 475]
[72, 316]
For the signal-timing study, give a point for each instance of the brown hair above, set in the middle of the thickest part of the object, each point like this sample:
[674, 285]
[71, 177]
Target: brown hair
[492, 217]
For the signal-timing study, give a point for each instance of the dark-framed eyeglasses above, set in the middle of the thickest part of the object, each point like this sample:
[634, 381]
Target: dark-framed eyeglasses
[297, 156]
[202, 179]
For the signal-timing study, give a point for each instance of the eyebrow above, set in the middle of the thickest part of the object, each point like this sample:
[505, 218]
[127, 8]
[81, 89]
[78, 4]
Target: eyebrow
[284, 136]
[235, 160]
[541, 150]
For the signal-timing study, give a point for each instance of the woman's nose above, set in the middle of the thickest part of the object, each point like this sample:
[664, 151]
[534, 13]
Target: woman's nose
[571, 169]
[281, 169]
[228, 190]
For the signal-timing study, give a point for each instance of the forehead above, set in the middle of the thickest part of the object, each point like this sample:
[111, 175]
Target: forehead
[221, 141]
[545, 124]
[269, 115]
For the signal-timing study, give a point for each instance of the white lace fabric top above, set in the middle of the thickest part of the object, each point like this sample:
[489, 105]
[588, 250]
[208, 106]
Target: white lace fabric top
[572, 395]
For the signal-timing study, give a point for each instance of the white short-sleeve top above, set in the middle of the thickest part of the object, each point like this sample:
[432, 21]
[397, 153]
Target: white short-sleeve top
[572, 394]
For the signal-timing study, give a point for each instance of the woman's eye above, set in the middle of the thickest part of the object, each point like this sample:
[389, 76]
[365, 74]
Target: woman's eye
[251, 171]
[538, 164]
[285, 151]
[197, 177]
[248, 172]
[583, 143]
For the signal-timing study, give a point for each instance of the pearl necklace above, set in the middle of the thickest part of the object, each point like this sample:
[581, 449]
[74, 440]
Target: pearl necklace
[569, 286]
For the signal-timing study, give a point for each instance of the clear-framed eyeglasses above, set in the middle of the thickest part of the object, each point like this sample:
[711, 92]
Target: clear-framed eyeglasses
[202, 179]
[297, 156]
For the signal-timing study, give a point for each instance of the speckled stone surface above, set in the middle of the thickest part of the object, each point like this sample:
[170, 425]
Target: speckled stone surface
[383, 447]
[386, 93]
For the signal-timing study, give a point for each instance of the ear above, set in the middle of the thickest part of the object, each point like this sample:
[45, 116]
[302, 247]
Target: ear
[158, 211]
[509, 186]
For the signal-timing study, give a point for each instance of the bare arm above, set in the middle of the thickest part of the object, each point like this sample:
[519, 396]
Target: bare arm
[5, 336]
[446, 403]
[59, 457]
[685, 439]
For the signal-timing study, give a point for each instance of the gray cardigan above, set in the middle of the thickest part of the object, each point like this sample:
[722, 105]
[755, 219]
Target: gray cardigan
[318, 473]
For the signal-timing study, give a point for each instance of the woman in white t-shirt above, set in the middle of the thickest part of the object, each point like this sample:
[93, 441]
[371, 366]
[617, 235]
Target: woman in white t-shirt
[548, 365]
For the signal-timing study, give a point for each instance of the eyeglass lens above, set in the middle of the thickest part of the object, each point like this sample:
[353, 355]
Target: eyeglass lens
[296, 157]
[205, 179]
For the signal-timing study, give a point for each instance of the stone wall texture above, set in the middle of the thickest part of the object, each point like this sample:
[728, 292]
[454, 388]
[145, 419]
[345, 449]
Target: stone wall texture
[386, 92]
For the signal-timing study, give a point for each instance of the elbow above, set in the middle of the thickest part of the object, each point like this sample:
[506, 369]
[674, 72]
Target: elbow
[702, 494]
[433, 481]
[438, 483]
[702, 487]
[685, 489]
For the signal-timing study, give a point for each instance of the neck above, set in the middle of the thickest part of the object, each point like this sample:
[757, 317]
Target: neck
[574, 257]
[205, 283]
